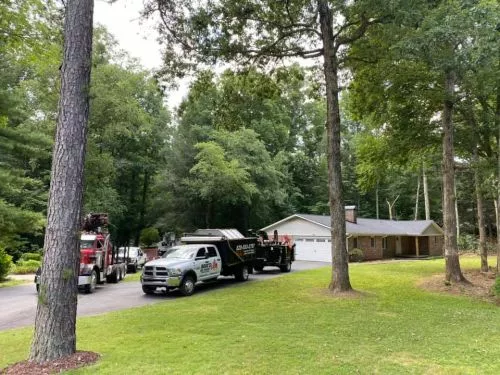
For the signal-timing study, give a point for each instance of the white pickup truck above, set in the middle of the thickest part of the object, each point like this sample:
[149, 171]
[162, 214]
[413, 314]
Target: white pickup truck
[182, 267]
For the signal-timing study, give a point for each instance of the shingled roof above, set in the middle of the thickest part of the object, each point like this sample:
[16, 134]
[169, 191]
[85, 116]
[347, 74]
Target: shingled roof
[374, 226]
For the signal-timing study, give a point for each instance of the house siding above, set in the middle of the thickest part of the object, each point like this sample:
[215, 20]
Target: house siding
[436, 245]
[429, 244]
[365, 243]
[298, 227]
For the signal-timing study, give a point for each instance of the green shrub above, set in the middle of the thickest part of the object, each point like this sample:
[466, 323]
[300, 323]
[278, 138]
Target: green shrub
[31, 256]
[356, 255]
[467, 242]
[149, 237]
[496, 287]
[26, 266]
[5, 264]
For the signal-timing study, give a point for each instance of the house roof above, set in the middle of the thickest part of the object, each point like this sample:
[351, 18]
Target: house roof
[372, 226]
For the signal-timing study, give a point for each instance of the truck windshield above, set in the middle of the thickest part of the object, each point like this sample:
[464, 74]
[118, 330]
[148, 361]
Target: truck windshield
[86, 244]
[179, 253]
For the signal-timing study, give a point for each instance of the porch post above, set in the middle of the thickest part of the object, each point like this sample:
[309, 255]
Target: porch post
[416, 246]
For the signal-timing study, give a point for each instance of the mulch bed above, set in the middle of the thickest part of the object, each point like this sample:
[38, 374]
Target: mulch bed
[480, 285]
[76, 360]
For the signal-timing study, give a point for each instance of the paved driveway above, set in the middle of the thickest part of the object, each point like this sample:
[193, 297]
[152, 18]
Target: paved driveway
[18, 303]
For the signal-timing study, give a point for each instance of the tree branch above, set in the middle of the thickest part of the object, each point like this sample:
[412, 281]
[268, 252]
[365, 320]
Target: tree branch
[364, 23]
[285, 53]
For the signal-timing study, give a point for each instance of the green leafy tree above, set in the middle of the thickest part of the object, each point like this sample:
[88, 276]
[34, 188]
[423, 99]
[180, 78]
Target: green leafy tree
[127, 128]
[418, 67]
[265, 31]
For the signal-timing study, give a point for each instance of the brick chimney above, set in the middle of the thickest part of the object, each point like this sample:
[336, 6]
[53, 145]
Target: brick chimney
[351, 214]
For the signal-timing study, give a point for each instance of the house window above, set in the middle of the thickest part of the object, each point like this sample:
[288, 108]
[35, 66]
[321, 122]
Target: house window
[309, 239]
[355, 242]
[320, 240]
[372, 241]
[435, 239]
[384, 243]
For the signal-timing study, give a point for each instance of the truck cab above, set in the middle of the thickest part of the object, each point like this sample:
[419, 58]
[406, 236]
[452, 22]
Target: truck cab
[182, 267]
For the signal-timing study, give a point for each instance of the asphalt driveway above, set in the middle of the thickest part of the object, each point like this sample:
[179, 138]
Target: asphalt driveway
[18, 303]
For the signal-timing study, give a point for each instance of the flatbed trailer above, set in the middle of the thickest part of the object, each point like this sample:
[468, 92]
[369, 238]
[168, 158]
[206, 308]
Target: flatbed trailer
[237, 252]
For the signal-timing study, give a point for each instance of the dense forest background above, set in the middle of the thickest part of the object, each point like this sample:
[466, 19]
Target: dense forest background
[247, 147]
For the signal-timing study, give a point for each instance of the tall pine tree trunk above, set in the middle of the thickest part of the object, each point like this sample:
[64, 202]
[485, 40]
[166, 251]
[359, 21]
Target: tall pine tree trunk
[469, 115]
[55, 321]
[497, 123]
[340, 267]
[480, 214]
[453, 271]
[417, 197]
[426, 195]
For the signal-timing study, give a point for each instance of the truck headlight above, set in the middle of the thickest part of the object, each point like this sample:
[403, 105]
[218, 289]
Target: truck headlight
[86, 268]
[174, 272]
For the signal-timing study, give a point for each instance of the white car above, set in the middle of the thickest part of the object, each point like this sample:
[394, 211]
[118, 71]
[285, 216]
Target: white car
[134, 256]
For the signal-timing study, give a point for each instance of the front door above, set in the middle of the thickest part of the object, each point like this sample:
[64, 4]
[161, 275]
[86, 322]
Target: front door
[398, 245]
[215, 262]
[202, 263]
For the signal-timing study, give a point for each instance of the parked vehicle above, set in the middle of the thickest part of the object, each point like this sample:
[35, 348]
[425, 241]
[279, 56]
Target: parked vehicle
[133, 256]
[99, 261]
[209, 253]
[276, 252]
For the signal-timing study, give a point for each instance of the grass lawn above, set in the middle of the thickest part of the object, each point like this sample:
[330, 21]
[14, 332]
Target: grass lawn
[133, 276]
[291, 325]
[12, 282]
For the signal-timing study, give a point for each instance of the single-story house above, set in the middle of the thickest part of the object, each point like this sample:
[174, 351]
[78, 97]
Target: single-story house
[377, 238]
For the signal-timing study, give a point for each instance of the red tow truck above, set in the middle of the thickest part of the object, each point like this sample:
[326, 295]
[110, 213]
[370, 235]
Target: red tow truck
[99, 261]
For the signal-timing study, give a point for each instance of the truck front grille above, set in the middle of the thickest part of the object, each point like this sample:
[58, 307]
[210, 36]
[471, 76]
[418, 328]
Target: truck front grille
[155, 271]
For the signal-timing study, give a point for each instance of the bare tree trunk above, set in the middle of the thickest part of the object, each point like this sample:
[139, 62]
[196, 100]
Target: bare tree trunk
[417, 197]
[391, 207]
[426, 195]
[55, 322]
[497, 123]
[340, 267]
[376, 202]
[142, 212]
[456, 206]
[480, 216]
[453, 271]
[497, 214]
[469, 114]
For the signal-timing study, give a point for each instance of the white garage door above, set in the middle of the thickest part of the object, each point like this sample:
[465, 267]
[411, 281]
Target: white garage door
[317, 249]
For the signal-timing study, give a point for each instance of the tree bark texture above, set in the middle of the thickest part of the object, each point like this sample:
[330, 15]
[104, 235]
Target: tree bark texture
[453, 271]
[497, 123]
[417, 196]
[55, 322]
[340, 267]
[426, 195]
[483, 251]
[497, 215]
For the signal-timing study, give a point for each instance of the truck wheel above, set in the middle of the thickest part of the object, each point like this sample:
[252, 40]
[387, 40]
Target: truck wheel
[134, 268]
[148, 289]
[242, 273]
[187, 286]
[90, 288]
[287, 267]
[112, 278]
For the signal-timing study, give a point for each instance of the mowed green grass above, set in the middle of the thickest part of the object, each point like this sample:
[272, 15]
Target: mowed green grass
[12, 282]
[291, 325]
